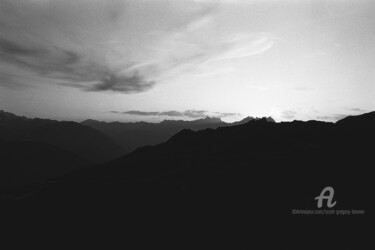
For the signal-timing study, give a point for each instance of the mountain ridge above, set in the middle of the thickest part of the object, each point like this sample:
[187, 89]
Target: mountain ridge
[67, 135]
[132, 135]
[237, 178]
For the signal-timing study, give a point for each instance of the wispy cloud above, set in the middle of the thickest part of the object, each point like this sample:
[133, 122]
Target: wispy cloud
[9, 80]
[337, 117]
[110, 49]
[288, 114]
[244, 45]
[136, 112]
[333, 117]
[186, 52]
[69, 68]
[180, 114]
[357, 110]
[91, 45]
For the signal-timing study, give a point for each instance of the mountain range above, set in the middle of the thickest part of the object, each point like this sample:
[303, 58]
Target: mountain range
[34, 150]
[75, 145]
[133, 135]
[228, 181]
[83, 141]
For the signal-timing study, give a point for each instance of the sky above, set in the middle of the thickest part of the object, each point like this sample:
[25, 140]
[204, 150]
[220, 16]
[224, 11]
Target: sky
[132, 60]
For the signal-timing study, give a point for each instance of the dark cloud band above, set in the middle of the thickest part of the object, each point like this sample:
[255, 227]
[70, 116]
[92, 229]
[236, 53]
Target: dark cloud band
[68, 68]
[174, 113]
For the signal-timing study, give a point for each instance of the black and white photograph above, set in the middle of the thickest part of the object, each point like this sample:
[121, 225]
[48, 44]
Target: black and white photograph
[187, 124]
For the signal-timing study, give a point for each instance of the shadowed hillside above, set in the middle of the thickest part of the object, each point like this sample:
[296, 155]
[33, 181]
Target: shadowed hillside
[133, 135]
[230, 179]
[83, 141]
[32, 162]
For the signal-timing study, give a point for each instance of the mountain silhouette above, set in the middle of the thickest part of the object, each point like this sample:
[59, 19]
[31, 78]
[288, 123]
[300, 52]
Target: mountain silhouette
[15, 126]
[230, 180]
[32, 162]
[365, 121]
[87, 143]
[137, 134]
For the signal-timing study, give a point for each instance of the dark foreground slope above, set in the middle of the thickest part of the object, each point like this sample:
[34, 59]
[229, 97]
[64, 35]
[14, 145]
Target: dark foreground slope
[242, 181]
[25, 163]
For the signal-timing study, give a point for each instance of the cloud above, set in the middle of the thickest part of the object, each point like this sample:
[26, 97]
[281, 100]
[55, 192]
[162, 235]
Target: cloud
[333, 117]
[38, 58]
[288, 114]
[190, 51]
[244, 45]
[118, 46]
[114, 82]
[136, 112]
[357, 110]
[68, 68]
[10, 81]
[11, 48]
[181, 114]
[94, 45]
[337, 117]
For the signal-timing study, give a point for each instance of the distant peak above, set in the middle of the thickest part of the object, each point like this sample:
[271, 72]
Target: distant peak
[248, 118]
[270, 119]
[2, 112]
[171, 121]
[89, 121]
[8, 116]
[262, 119]
[209, 119]
[243, 121]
